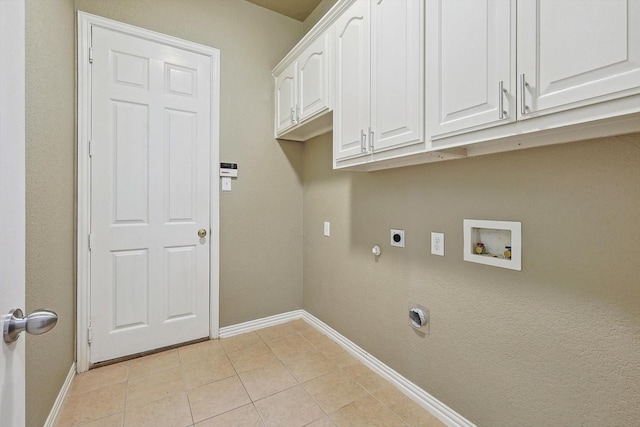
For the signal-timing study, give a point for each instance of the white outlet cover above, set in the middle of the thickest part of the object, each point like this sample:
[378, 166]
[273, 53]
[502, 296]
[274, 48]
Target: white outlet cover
[226, 183]
[400, 243]
[437, 244]
[327, 229]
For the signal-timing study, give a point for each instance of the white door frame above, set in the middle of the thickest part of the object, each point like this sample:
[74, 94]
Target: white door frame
[85, 23]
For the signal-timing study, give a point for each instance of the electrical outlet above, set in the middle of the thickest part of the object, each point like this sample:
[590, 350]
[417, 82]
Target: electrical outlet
[397, 238]
[327, 228]
[437, 244]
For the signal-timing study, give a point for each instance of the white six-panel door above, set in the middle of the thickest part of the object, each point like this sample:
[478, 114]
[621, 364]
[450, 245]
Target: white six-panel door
[150, 195]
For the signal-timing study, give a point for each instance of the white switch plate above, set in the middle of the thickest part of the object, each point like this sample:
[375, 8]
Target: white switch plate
[327, 228]
[226, 183]
[437, 243]
[400, 242]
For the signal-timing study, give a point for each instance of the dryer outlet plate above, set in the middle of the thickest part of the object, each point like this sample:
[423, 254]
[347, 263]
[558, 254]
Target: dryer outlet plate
[397, 238]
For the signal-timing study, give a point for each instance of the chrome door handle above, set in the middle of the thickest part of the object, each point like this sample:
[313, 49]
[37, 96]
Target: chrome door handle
[38, 322]
[363, 141]
[202, 233]
[523, 104]
[501, 91]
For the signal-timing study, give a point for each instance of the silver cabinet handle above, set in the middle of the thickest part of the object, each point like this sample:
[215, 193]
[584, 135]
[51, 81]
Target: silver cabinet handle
[38, 322]
[501, 91]
[297, 114]
[363, 141]
[371, 143]
[292, 112]
[523, 105]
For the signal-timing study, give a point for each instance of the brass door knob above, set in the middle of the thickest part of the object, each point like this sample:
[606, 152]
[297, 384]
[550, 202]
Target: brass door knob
[202, 232]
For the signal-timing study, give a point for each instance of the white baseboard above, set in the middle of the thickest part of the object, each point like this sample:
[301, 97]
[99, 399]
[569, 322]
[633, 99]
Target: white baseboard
[418, 395]
[421, 397]
[254, 325]
[57, 405]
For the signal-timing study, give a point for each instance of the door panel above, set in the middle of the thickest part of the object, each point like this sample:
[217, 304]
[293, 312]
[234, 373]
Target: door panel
[130, 70]
[151, 137]
[181, 163]
[599, 55]
[352, 89]
[181, 284]
[131, 286]
[286, 98]
[472, 50]
[313, 78]
[397, 73]
[131, 157]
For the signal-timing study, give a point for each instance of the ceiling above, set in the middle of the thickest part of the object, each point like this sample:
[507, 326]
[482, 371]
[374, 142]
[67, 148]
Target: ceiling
[296, 9]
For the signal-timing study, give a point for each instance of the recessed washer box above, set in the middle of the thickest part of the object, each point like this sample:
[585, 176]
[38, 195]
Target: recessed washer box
[494, 238]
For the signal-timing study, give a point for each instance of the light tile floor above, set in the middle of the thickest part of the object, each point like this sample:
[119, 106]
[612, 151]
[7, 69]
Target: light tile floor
[286, 375]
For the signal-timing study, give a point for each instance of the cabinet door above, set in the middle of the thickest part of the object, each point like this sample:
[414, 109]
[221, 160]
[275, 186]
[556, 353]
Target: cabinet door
[313, 79]
[471, 50]
[285, 99]
[574, 52]
[352, 83]
[397, 73]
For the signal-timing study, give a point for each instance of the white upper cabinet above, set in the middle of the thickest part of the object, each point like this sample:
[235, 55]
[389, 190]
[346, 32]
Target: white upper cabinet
[352, 82]
[302, 91]
[313, 79]
[379, 80]
[471, 64]
[570, 54]
[573, 53]
[286, 84]
[397, 73]
[501, 75]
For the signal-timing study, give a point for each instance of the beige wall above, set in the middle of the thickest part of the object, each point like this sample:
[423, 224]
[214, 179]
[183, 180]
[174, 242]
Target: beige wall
[555, 344]
[260, 220]
[50, 163]
[317, 14]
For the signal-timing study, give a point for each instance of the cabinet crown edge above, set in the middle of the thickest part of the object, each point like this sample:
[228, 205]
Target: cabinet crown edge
[321, 26]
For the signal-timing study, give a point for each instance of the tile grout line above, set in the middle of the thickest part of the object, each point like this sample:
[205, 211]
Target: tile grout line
[301, 333]
[298, 381]
[126, 395]
[339, 369]
[368, 393]
[237, 374]
[193, 420]
[243, 386]
[300, 384]
[351, 377]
